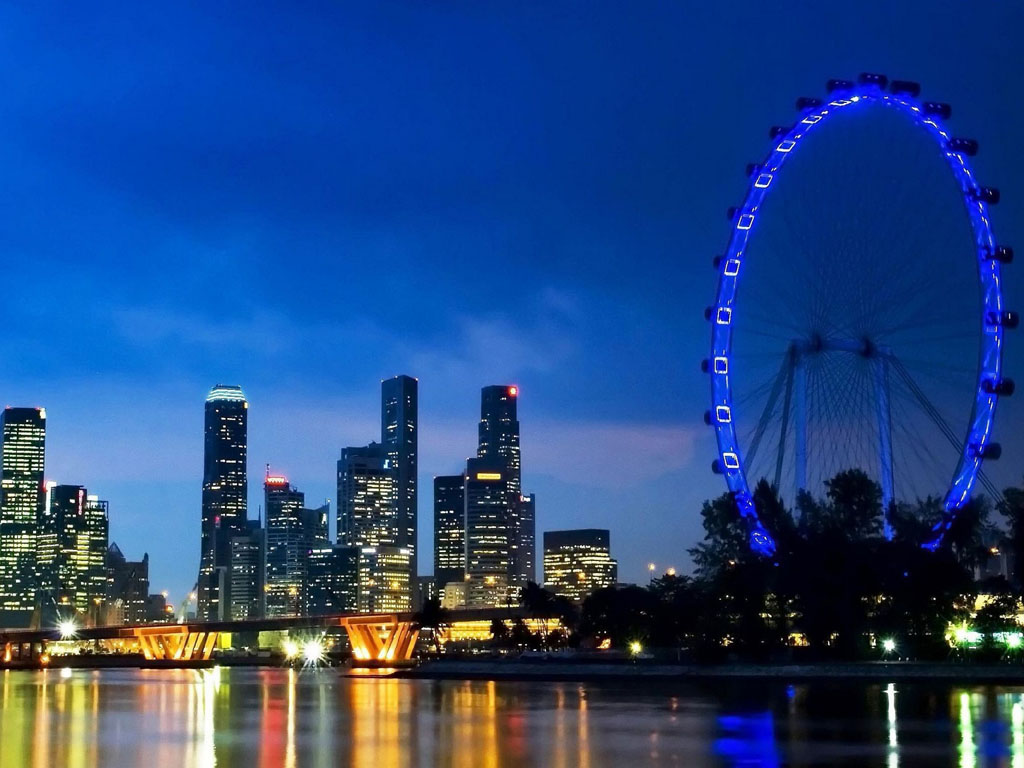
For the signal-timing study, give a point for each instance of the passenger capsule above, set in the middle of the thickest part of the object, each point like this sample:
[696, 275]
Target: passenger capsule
[937, 109]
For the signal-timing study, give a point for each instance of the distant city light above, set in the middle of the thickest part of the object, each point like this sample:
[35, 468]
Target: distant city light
[513, 391]
[635, 647]
[67, 629]
[291, 649]
[1013, 640]
[313, 652]
[888, 645]
[671, 572]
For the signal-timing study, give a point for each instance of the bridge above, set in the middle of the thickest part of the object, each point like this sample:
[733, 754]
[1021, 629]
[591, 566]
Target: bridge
[376, 638]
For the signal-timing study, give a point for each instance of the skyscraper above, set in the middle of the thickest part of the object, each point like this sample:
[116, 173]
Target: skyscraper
[366, 497]
[333, 580]
[224, 496]
[523, 542]
[399, 436]
[315, 525]
[97, 533]
[499, 443]
[449, 530]
[22, 455]
[71, 554]
[127, 587]
[60, 525]
[248, 573]
[499, 431]
[488, 510]
[578, 562]
[286, 547]
[384, 579]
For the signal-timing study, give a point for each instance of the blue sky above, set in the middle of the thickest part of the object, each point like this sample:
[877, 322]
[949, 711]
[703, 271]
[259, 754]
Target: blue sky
[304, 198]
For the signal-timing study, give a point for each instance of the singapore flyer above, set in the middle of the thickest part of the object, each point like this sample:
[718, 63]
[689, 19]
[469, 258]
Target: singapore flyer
[842, 339]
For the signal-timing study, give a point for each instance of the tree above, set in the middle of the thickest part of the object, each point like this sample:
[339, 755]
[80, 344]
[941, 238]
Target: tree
[499, 633]
[435, 618]
[1011, 507]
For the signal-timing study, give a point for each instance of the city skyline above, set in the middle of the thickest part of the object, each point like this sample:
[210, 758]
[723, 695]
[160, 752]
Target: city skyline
[451, 211]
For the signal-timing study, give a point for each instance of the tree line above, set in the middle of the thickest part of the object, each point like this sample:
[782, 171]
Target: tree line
[836, 588]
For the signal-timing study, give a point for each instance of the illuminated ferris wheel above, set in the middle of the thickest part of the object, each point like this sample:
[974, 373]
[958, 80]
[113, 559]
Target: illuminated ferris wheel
[868, 332]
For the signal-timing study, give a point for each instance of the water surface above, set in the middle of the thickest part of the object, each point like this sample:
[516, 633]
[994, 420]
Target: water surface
[279, 718]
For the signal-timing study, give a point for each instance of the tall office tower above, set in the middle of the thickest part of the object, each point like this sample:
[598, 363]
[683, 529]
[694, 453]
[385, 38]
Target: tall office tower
[366, 497]
[71, 555]
[286, 547]
[488, 511]
[97, 533]
[578, 562]
[127, 587]
[57, 551]
[523, 542]
[384, 579]
[499, 441]
[449, 530]
[248, 573]
[332, 580]
[21, 505]
[399, 436]
[224, 496]
[499, 431]
[314, 526]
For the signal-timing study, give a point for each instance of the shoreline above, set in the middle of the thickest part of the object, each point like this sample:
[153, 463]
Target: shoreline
[887, 671]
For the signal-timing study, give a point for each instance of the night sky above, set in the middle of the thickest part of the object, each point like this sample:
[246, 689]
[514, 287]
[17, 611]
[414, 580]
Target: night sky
[305, 198]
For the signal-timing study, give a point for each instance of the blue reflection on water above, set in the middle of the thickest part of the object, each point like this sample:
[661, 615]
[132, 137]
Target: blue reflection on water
[749, 740]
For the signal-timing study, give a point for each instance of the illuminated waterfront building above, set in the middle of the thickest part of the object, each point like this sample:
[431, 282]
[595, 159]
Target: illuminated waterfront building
[71, 554]
[248, 573]
[225, 489]
[577, 562]
[384, 579]
[488, 513]
[22, 454]
[399, 438]
[286, 547]
[449, 529]
[332, 580]
[127, 588]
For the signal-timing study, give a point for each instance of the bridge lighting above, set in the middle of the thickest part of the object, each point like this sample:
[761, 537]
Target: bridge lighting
[291, 649]
[67, 628]
[888, 645]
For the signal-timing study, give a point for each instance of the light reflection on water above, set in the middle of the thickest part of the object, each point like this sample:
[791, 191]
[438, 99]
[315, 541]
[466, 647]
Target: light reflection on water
[279, 718]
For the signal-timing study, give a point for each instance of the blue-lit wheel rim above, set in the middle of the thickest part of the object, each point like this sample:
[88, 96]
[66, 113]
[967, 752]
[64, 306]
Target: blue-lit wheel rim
[744, 222]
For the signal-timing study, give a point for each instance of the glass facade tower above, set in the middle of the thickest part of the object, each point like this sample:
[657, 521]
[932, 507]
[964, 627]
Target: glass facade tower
[22, 455]
[399, 429]
[449, 530]
[286, 548]
[225, 490]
